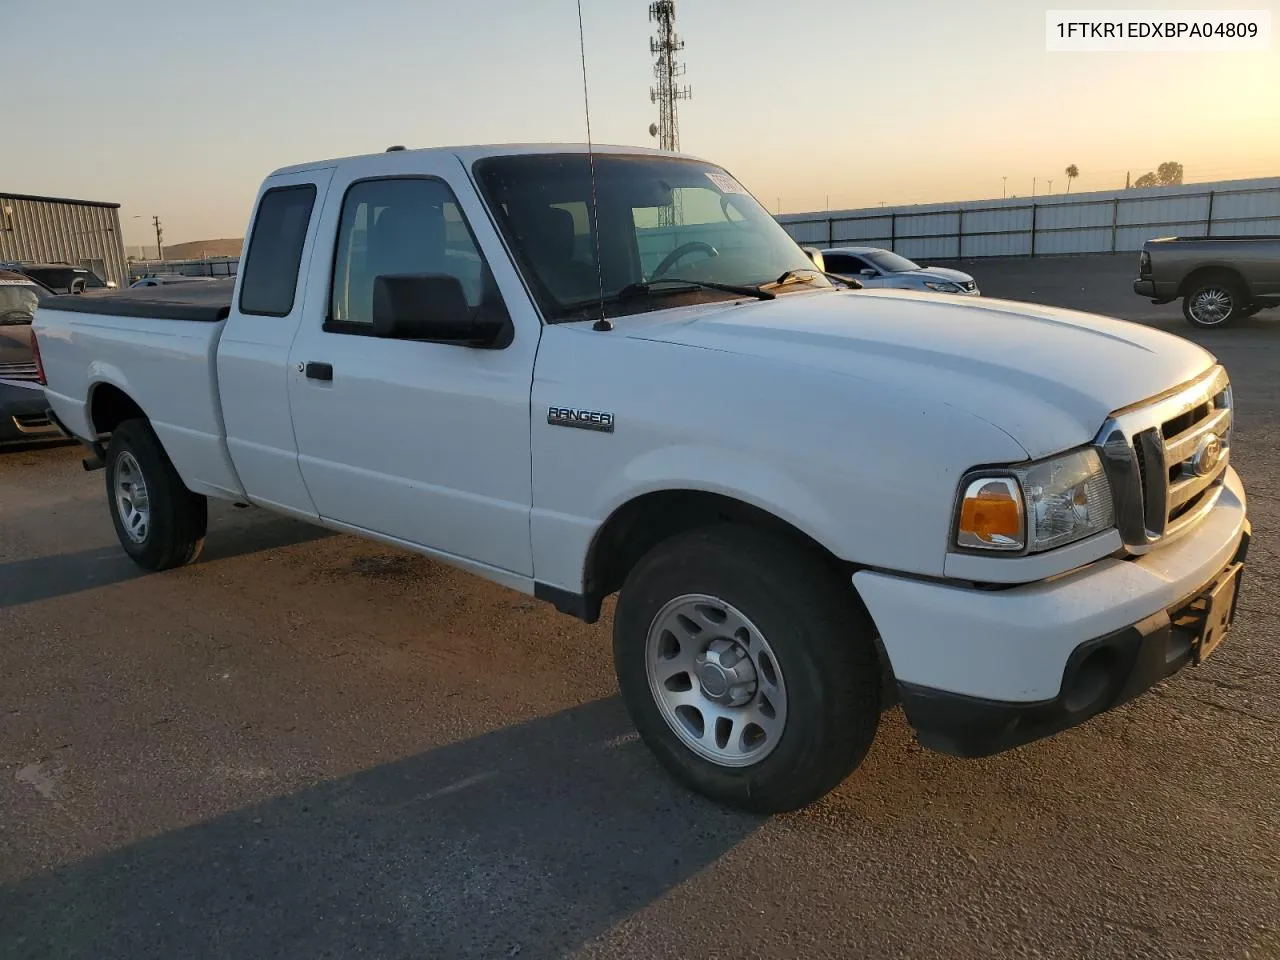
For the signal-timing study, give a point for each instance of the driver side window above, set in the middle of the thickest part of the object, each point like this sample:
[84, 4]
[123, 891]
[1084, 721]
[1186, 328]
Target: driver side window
[401, 226]
[841, 264]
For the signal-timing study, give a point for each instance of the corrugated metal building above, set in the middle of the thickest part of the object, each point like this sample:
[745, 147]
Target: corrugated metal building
[1105, 221]
[57, 230]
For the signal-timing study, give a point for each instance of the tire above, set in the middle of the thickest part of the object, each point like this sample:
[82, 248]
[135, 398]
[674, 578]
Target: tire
[823, 670]
[173, 519]
[1213, 302]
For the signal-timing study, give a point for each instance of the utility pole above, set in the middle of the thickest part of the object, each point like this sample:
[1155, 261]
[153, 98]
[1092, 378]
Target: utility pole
[159, 238]
[1033, 186]
[1004, 186]
[1051, 186]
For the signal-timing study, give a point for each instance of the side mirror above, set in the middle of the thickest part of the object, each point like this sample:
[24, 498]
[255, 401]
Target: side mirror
[814, 254]
[867, 272]
[424, 306]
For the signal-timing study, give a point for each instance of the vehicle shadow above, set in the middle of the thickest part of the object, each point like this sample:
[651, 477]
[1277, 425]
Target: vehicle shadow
[63, 574]
[36, 445]
[527, 842]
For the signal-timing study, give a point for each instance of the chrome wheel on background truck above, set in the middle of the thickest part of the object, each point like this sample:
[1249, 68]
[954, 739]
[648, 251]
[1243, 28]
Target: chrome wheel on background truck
[1213, 302]
[748, 667]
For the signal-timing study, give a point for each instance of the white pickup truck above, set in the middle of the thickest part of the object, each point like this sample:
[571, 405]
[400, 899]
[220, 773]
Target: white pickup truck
[584, 372]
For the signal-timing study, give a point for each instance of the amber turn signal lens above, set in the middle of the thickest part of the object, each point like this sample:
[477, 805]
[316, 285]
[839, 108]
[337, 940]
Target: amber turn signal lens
[991, 515]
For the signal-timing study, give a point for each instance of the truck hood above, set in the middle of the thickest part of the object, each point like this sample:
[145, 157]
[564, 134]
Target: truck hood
[1047, 377]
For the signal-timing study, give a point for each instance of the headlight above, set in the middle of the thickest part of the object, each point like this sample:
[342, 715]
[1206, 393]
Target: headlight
[942, 286]
[1036, 507]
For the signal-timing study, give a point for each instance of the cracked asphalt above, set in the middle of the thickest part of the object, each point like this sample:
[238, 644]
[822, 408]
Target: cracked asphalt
[309, 746]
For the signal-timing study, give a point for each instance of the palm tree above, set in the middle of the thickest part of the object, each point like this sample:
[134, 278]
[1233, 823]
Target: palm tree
[1072, 172]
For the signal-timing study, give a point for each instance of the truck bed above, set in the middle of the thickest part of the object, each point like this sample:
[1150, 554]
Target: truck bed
[157, 346]
[201, 302]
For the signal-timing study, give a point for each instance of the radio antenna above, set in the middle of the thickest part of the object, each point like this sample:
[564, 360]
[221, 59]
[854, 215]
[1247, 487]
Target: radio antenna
[603, 323]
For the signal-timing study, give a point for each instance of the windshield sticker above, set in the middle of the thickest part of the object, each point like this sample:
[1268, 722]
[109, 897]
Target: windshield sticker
[725, 183]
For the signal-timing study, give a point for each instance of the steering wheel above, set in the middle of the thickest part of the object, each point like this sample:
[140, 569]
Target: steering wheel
[726, 204]
[693, 246]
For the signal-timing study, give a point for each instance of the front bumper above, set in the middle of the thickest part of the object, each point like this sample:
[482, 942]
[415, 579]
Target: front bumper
[1100, 674]
[982, 670]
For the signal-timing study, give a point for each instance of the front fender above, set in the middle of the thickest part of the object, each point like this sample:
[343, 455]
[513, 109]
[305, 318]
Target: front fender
[562, 540]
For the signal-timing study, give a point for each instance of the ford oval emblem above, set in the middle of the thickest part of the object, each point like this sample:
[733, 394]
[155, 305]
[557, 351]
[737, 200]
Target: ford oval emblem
[1208, 455]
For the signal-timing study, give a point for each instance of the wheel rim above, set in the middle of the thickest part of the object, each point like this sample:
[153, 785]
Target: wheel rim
[1211, 305]
[132, 502]
[716, 680]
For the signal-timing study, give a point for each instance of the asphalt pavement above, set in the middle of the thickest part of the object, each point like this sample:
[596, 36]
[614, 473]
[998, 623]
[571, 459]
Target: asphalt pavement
[307, 745]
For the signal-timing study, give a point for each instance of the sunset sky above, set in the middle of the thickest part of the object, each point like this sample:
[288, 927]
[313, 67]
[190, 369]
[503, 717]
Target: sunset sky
[180, 109]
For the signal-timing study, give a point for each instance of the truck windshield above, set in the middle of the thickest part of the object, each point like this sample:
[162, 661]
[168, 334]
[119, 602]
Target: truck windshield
[660, 219]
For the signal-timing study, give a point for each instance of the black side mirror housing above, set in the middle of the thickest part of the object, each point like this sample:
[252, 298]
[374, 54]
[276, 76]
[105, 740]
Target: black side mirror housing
[424, 306]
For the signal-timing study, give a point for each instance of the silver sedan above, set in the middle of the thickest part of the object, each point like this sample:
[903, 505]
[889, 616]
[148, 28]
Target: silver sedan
[876, 267]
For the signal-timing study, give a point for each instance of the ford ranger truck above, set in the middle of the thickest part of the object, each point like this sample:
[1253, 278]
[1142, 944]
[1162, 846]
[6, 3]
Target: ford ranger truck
[580, 374]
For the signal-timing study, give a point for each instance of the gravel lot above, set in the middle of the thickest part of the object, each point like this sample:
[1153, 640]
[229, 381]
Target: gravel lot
[311, 746]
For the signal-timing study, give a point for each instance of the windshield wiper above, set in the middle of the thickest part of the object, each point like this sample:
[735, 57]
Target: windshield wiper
[650, 288]
[796, 276]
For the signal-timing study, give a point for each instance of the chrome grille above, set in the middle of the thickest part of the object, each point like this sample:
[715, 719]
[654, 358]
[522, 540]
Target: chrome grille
[1167, 458]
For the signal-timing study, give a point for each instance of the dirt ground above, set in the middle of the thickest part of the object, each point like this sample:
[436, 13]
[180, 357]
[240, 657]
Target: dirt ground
[308, 745]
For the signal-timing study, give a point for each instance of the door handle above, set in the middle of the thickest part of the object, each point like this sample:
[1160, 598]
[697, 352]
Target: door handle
[318, 371]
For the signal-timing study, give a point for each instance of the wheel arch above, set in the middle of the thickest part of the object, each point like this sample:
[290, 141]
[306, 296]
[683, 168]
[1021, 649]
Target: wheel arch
[1208, 271]
[639, 524]
[109, 406]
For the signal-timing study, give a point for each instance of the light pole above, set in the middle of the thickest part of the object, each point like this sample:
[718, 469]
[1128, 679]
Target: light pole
[1004, 186]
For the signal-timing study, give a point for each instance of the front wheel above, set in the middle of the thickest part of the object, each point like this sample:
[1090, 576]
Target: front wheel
[159, 522]
[747, 666]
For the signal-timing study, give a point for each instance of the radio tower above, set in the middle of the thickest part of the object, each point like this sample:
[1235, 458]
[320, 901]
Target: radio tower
[666, 69]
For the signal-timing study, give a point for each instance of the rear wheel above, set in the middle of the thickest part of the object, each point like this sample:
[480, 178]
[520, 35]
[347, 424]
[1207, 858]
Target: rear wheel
[747, 666]
[1214, 301]
[159, 522]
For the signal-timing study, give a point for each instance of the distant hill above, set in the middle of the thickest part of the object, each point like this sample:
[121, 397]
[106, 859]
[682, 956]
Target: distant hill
[196, 249]
[193, 250]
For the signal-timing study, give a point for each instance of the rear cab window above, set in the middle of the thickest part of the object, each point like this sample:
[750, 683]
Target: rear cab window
[270, 274]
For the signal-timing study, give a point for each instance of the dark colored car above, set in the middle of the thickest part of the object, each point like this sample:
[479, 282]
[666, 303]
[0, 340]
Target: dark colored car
[23, 414]
[64, 277]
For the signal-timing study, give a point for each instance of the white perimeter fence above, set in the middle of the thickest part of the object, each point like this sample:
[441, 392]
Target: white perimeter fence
[1103, 222]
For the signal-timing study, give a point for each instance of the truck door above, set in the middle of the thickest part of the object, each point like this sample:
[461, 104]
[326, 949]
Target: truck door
[424, 443]
[271, 298]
